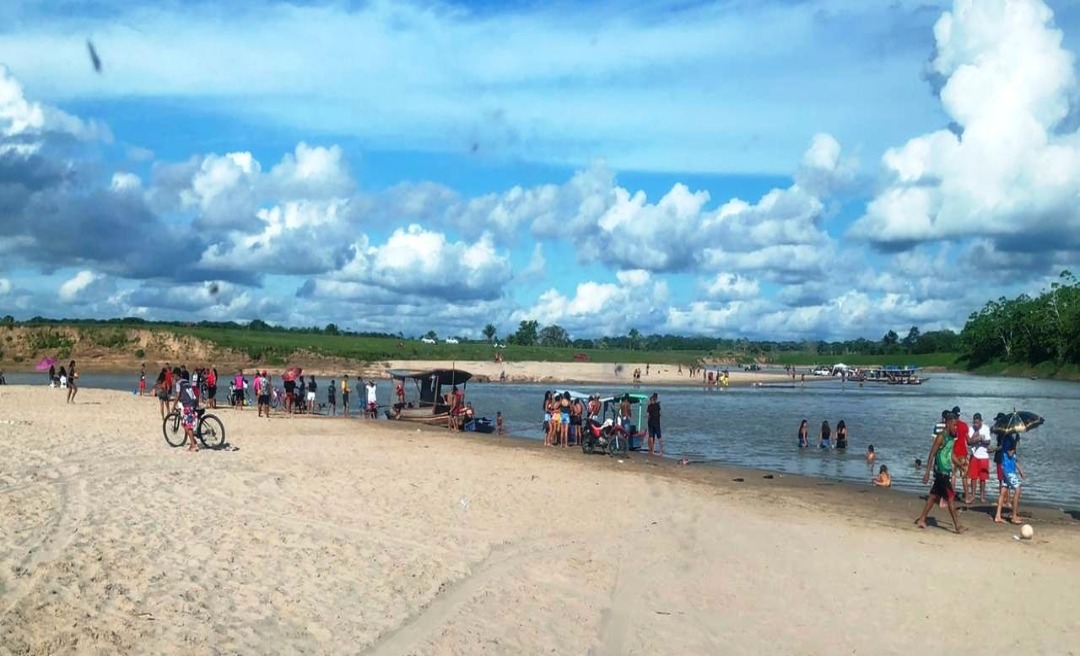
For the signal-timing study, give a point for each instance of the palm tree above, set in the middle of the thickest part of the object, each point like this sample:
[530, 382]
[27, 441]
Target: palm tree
[634, 336]
[489, 332]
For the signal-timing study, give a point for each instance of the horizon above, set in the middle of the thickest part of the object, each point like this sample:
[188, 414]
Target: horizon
[778, 171]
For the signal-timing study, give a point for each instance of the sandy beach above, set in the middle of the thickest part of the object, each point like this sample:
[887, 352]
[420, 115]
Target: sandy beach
[605, 373]
[329, 536]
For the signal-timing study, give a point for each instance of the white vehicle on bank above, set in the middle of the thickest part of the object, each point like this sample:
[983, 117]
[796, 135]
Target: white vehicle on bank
[452, 340]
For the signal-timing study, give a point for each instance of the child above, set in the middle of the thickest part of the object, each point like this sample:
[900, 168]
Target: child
[883, 479]
[1012, 473]
[498, 423]
[870, 454]
[918, 464]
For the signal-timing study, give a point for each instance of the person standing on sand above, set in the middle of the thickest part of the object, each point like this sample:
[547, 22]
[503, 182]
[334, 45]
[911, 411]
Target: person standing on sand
[941, 457]
[979, 465]
[161, 388]
[73, 382]
[211, 387]
[1012, 473]
[653, 412]
[142, 380]
[960, 453]
[345, 395]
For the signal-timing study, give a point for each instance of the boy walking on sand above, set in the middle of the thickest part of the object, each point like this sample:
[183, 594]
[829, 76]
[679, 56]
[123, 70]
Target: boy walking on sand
[941, 455]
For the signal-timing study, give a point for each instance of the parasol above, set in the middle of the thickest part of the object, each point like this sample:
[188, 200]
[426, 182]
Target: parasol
[1017, 421]
[45, 364]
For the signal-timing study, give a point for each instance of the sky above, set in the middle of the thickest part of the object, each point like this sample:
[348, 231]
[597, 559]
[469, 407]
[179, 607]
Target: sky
[771, 169]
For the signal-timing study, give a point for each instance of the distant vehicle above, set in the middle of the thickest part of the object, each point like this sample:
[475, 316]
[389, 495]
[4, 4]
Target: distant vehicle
[752, 367]
[452, 340]
[498, 345]
[822, 371]
[427, 340]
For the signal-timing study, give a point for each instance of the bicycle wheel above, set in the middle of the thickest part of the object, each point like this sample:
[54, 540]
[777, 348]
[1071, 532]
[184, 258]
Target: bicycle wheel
[211, 431]
[174, 432]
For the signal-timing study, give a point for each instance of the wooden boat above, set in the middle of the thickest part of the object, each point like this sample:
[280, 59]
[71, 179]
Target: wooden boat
[431, 398]
[890, 375]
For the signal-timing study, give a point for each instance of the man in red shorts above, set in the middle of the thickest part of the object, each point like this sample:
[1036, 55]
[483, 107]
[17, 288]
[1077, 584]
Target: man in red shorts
[960, 453]
[979, 465]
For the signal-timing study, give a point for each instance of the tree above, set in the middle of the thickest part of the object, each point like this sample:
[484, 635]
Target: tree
[8, 321]
[554, 335]
[890, 339]
[526, 334]
[259, 325]
[331, 329]
[489, 332]
[431, 335]
[911, 340]
[634, 336]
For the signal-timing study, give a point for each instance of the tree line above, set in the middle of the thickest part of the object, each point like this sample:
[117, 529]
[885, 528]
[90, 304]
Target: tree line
[529, 333]
[1027, 330]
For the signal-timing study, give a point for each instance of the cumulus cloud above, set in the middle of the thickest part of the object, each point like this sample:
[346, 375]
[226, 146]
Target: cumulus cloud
[25, 124]
[1008, 170]
[600, 308]
[418, 261]
[85, 286]
[730, 286]
[5, 286]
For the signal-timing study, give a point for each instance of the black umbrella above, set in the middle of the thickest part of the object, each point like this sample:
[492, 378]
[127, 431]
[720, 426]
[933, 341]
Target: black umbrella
[1017, 421]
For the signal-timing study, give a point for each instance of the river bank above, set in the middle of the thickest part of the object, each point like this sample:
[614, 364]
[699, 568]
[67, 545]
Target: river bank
[384, 538]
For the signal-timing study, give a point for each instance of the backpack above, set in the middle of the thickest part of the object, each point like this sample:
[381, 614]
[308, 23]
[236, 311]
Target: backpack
[188, 398]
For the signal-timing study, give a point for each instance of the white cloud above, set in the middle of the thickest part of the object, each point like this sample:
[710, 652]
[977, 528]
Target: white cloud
[125, 182]
[23, 124]
[1012, 171]
[637, 301]
[82, 287]
[5, 286]
[730, 286]
[415, 260]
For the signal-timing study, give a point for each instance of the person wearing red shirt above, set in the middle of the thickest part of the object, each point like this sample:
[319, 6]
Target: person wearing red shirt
[960, 454]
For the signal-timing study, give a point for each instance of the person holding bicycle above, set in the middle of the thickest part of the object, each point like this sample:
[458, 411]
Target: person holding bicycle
[188, 400]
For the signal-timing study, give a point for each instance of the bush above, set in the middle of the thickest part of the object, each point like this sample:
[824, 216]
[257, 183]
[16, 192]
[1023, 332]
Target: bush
[140, 354]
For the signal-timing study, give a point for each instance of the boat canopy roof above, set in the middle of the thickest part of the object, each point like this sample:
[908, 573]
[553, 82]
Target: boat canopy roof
[635, 397]
[439, 376]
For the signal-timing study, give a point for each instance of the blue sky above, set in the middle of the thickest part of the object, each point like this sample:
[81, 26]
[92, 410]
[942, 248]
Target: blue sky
[779, 169]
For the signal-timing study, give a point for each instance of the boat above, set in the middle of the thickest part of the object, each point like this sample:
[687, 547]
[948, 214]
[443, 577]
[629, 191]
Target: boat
[609, 409]
[890, 374]
[479, 425]
[432, 388]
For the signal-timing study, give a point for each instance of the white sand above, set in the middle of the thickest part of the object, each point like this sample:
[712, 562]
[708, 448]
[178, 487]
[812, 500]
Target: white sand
[330, 536]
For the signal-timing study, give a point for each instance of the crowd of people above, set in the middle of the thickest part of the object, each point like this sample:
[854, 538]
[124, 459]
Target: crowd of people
[962, 451]
[296, 393]
[566, 418]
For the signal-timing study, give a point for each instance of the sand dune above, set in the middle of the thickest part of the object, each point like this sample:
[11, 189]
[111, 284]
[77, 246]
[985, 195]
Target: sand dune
[331, 536]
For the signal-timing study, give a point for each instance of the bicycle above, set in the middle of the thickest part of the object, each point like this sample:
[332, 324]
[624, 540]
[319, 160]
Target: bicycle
[209, 429]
